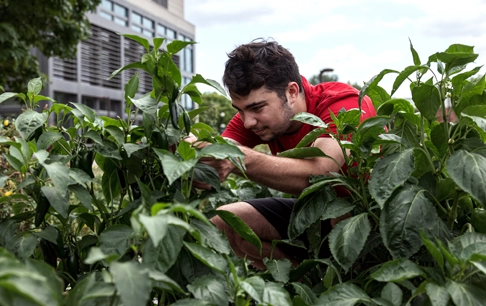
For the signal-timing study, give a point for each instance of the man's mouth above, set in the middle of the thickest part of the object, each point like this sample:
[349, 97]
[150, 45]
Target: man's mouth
[258, 132]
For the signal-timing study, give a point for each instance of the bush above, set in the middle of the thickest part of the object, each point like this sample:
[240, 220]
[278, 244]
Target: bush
[139, 232]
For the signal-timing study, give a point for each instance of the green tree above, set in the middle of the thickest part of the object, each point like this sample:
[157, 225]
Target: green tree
[314, 80]
[53, 27]
[219, 111]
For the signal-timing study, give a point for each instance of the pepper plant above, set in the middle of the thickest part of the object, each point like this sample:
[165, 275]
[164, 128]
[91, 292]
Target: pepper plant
[139, 233]
[416, 191]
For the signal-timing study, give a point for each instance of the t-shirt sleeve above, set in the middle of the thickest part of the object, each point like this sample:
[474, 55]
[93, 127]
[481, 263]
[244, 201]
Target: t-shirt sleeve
[347, 100]
[236, 131]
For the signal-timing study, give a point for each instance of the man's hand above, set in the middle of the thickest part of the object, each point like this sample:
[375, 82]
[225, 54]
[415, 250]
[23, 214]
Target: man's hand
[223, 166]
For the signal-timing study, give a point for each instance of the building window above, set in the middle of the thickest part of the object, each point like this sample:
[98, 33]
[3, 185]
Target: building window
[143, 25]
[161, 30]
[186, 101]
[162, 2]
[114, 12]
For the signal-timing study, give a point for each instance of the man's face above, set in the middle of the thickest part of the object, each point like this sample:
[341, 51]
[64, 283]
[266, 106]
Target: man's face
[265, 113]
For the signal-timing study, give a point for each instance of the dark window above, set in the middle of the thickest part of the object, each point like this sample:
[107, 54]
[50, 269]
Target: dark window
[162, 2]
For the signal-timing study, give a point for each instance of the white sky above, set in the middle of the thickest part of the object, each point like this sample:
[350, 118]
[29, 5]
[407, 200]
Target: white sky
[357, 38]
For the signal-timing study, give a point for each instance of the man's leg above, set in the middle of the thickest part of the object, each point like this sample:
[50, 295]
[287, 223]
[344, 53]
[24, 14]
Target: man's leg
[262, 228]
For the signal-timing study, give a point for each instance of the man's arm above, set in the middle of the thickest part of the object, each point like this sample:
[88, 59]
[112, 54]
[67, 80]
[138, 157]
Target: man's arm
[291, 175]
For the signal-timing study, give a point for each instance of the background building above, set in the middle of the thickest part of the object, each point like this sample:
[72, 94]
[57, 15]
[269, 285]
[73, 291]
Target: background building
[85, 78]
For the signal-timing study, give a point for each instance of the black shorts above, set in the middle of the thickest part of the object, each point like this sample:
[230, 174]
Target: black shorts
[277, 211]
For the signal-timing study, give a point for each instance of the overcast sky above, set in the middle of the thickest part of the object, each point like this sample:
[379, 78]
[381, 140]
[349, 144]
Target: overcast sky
[356, 38]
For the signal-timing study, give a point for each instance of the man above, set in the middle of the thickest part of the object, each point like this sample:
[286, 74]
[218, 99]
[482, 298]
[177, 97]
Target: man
[266, 88]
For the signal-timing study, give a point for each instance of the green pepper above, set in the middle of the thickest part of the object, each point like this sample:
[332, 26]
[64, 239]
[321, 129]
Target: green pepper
[42, 205]
[478, 220]
[466, 204]
[72, 264]
[49, 252]
[187, 122]
[174, 108]
[86, 162]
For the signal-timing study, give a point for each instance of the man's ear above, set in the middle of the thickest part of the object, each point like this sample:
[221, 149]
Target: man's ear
[292, 91]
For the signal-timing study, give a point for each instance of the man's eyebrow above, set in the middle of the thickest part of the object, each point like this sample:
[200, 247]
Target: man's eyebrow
[251, 105]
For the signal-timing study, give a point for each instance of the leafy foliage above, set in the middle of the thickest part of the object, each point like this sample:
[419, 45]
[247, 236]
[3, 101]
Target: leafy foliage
[106, 213]
[64, 24]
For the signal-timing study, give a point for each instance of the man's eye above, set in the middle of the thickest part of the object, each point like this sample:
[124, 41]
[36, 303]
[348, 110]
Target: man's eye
[257, 108]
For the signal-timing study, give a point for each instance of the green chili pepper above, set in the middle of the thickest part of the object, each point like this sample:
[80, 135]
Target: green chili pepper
[187, 122]
[86, 162]
[478, 220]
[72, 264]
[174, 108]
[49, 252]
[42, 205]
[466, 204]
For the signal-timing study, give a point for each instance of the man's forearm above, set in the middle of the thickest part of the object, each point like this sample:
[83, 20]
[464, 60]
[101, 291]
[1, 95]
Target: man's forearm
[284, 174]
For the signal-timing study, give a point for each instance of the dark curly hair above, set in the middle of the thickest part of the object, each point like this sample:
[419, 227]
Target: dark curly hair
[260, 63]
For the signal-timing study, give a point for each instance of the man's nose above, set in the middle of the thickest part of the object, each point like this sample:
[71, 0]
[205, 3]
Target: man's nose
[249, 121]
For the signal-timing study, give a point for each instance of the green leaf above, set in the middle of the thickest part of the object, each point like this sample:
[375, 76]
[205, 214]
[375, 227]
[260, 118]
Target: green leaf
[310, 119]
[35, 86]
[80, 176]
[372, 83]
[396, 271]
[477, 113]
[86, 111]
[177, 45]
[209, 288]
[307, 152]
[254, 286]
[437, 294]
[131, 88]
[240, 227]
[347, 238]
[468, 170]
[279, 269]
[389, 174]
[368, 131]
[110, 183]
[7, 95]
[82, 195]
[133, 283]
[95, 136]
[156, 227]
[345, 294]
[116, 239]
[29, 121]
[47, 139]
[108, 149]
[212, 237]
[427, 100]
[207, 174]
[137, 65]
[172, 165]
[308, 209]
[23, 245]
[311, 137]
[304, 292]
[131, 148]
[144, 42]
[91, 290]
[416, 58]
[199, 79]
[275, 294]
[58, 200]
[117, 133]
[207, 256]
[433, 250]
[391, 292]
[165, 255]
[402, 219]
[221, 151]
[146, 104]
[404, 75]
[465, 294]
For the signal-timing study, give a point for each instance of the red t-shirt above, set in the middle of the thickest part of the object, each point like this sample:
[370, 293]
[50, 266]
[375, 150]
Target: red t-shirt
[321, 100]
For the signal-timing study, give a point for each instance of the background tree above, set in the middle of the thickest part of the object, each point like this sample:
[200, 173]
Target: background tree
[219, 113]
[314, 80]
[53, 27]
